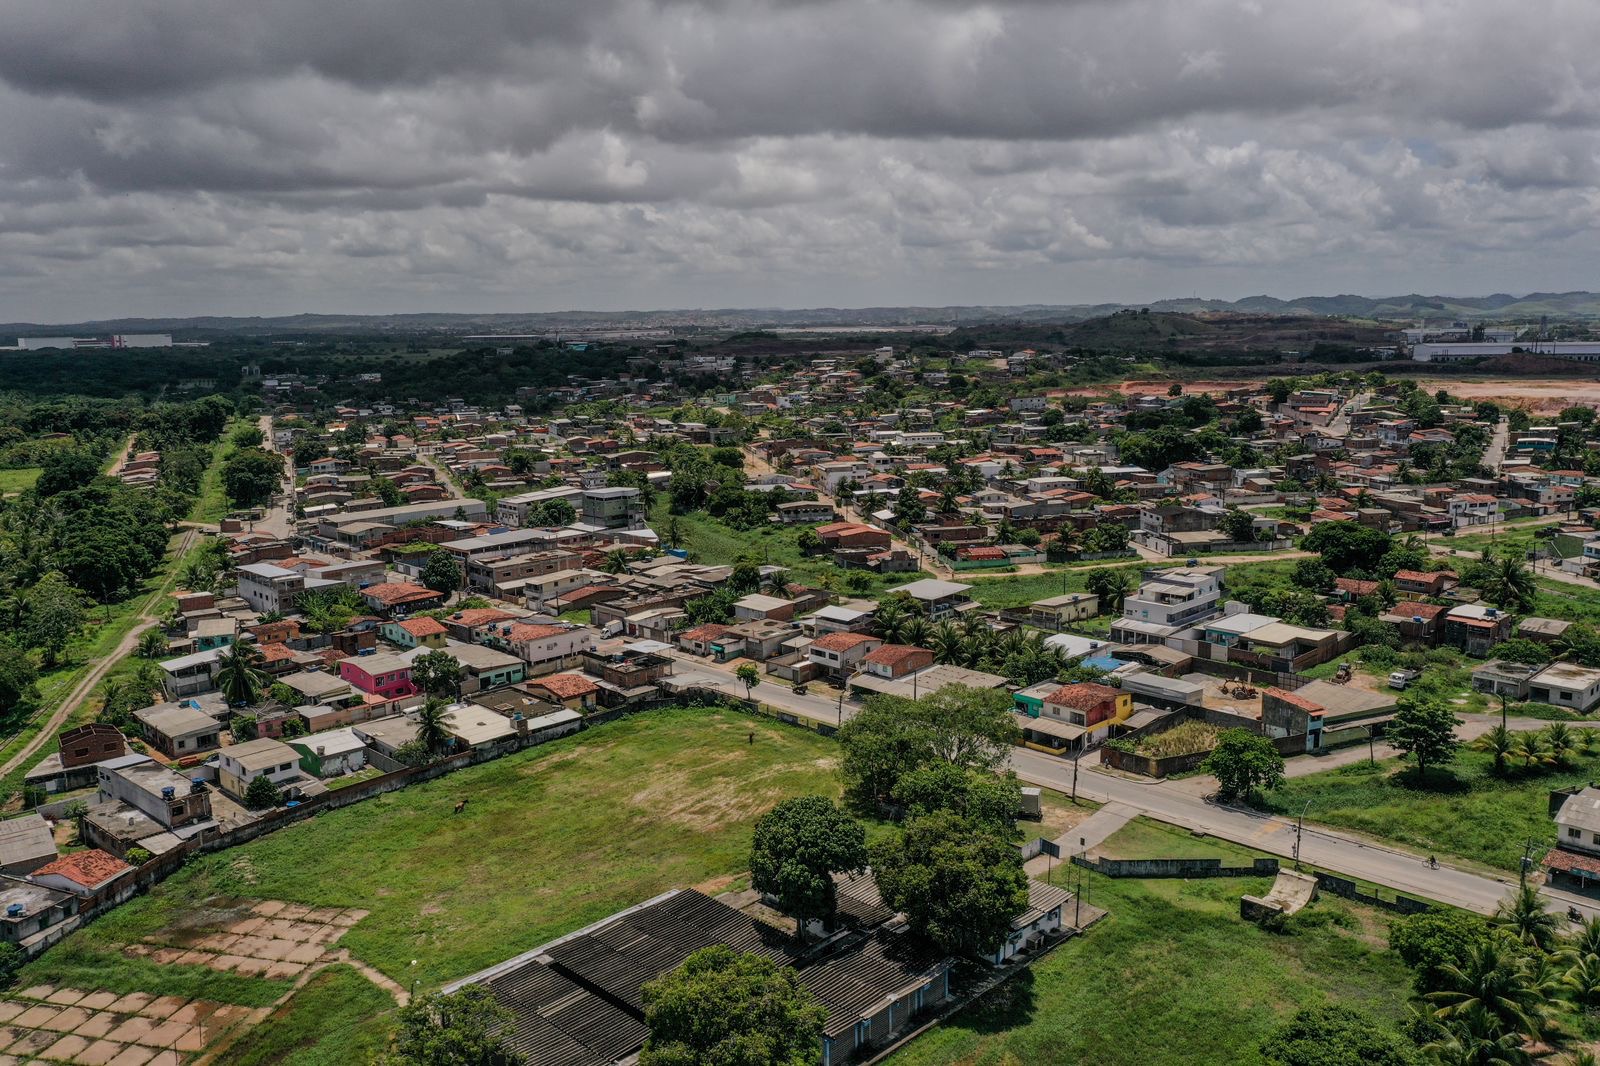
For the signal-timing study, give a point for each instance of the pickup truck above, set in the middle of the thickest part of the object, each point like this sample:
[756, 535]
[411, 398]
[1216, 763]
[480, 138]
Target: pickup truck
[1401, 678]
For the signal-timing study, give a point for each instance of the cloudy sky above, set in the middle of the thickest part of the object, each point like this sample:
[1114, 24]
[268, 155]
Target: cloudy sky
[219, 156]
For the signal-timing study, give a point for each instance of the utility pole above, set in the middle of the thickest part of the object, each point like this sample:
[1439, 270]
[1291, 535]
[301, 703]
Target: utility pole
[1522, 868]
[1299, 831]
[1372, 758]
[1075, 778]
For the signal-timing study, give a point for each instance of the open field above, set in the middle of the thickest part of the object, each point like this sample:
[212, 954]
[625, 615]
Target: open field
[338, 1017]
[551, 839]
[211, 505]
[1172, 975]
[18, 479]
[1538, 395]
[1464, 812]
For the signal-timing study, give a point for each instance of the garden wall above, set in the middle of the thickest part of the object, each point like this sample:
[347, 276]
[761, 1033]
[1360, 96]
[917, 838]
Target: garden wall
[1176, 867]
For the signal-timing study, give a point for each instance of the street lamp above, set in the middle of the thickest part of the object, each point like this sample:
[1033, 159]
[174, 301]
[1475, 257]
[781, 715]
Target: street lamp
[1299, 831]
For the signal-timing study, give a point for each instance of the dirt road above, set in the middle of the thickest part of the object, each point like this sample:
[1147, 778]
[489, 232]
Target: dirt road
[148, 613]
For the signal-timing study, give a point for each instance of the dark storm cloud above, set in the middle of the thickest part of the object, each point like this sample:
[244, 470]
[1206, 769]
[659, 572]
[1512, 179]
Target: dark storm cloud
[625, 151]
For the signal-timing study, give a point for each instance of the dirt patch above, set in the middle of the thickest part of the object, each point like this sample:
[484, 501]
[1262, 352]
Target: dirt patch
[1057, 820]
[673, 797]
[539, 766]
[716, 884]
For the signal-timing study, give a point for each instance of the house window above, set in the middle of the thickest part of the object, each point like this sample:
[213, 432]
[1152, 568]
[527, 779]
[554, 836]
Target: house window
[1576, 834]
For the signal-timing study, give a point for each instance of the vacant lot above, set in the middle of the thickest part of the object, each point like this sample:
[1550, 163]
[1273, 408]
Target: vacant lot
[18, 479]
[1463, 811]
[550, 840]
[1173, 975]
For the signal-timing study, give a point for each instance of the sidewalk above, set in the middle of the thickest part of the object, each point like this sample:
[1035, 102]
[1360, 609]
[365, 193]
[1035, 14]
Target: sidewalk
[1087, 834]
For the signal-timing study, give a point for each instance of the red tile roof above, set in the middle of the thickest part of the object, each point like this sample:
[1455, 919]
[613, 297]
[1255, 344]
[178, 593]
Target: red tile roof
[709, 631]
[527, 631]
[892, 655]
[1408, 609]
[397, 592]
[842, 641]
[1355, 586]
[480, 616]
[86, 868]
[566, 686]
[423, 627]
[275, 653]
[1424, 577]
[1295, 700]
[1084, 696]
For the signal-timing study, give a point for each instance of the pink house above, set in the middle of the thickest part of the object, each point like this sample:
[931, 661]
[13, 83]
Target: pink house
[383, 675]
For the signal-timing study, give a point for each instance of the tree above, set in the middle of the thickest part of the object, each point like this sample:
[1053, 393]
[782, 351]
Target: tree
[1346, 546]
[808, 541]
[239, 675]
[437, 673]
[152, 644]
[1424, 728]
[978, 796]
[54, 615]
[463, 1028]
[11, 960]
[250, 476]
[1314, 575]
[64, 469]
[441, 572]
[616, 561]
[432, 732]
[387, 491]
[750, 674]
[890, 736]
[261, 794]
[797, 848]
[1336, 1035]
[1490, 979]
[957, 882]
[17, 679]
[248, 437]
[1243, 763]
[724, 1008]
[1499, 743]
[1429, 941]
[746, 577]
[1510, 585]
[1239, 525]
[1111, 585]
[1524, 915]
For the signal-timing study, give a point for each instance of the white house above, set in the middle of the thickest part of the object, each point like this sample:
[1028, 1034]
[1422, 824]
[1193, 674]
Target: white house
[1039, 920]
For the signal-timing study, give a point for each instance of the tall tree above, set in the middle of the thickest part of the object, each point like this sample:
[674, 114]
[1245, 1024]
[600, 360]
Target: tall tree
[441, 572]
[239, 675]
[54, 615]
[437, 673]
[957, 882]
[1243, 763]
[797, 848]
[432, 733]
[463, 1028]
[723, 1008]
[1424, 728]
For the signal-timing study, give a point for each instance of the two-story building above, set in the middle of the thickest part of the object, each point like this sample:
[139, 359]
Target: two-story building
[241, 764]
[415, 632]
[178, 729]
[382, 674]
[838, 654]
[936, 599]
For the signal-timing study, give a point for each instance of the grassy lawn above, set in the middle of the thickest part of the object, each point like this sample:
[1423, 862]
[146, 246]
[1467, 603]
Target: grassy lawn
[1517, 538]
[211, 505]
[1574, 603]
[551, 839]
[1173, 975]
[337, 1018]
[19, 479]
[710, 541]
[1465, 811]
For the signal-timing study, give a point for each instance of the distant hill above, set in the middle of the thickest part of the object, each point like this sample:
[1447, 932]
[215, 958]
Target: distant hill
[1498, 307]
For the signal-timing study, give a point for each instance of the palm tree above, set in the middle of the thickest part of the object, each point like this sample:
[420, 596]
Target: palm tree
[1581, 983]
[948, 644]
[1586, 941]
[152, 645]
[1511, 585]
[431, 731]
[240, 676]
[1561, 741]
[1475, 1038]
[948, 502]
[1529, 749]
[1525, 916]
[1497, 742]
[616, 561]
[918, 631]
[890, 620]
[1490, 980]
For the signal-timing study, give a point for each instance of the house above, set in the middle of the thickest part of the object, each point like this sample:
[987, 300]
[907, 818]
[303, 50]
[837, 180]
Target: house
[178, 729]
[1168, 601]
[473, 726]
[1325, 714]
[1505, 679]
[1577, 851]
[383, 674]
[211, 633]
[331, 753]
[415, 632]
[1040, 920]
[936, 598]
[894, 661]
[1059, 611]
[544, 648]
[189, 675]
[1476, 629]
[1567, 685]
[698, 640]
[483, 668]
[1416, 622]
[34, 916]
[612, 508]
[268, 588]
[805, 511]
[399, 598]
[839, 653]
[26, 844]
[78, 751]
[241, 764]
[91, 874]
[1542, 630]
[141, 802]
[852, 617]
[572, 691]
[757, 607]
[839, 536]
[1423, 583]
[1092, 706]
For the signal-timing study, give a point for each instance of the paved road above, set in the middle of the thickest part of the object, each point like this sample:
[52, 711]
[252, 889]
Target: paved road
[1368, 860]
[1495, 454]
[819, 704]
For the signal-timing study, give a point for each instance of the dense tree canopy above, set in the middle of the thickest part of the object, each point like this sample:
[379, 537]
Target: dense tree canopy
[797, 848]
[723, 1008]
[958, 882]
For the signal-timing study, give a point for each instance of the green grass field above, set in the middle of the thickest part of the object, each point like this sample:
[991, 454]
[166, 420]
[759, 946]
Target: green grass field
[211, 505]
[338, 1017]
[551, 839]
[18, 479]
[1172, 975]
[1464, 812]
